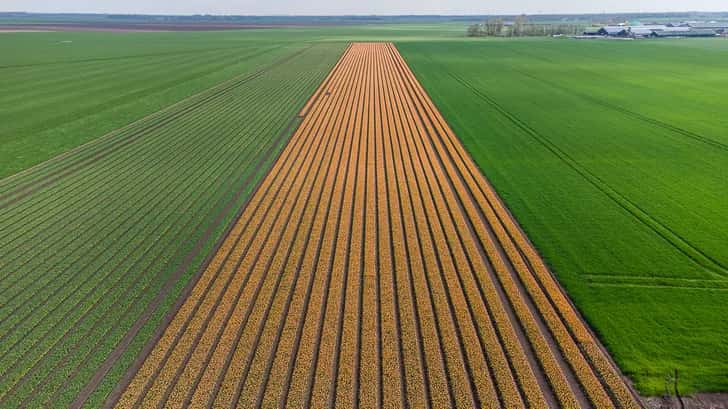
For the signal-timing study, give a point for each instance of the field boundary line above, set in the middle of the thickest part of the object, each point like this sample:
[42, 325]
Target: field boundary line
[454, 213]
[656, 282]
[500, 277]
[470, 166]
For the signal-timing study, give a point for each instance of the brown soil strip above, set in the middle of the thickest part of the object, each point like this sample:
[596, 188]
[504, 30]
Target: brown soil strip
[400, 279]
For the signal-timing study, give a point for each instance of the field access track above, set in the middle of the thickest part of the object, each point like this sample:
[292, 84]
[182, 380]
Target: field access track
[375, 266]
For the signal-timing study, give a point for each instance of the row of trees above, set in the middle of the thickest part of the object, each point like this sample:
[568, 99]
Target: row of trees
[520, 27]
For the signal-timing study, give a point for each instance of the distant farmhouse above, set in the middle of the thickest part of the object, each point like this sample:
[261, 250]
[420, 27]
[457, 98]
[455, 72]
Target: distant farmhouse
[685, 33]
[613, 31]
[720, 28]
[688, 29]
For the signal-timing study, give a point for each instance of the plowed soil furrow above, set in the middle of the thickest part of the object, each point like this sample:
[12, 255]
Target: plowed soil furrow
[376, 267]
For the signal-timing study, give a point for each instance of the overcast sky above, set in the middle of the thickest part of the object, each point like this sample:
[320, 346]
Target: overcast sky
[335, 7]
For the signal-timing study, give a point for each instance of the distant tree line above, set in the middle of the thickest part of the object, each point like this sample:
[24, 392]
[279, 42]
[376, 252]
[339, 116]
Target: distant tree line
[520, 27]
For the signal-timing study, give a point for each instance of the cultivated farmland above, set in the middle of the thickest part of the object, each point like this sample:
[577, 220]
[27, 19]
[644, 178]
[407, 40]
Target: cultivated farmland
[613, 158]
[610, 154]
[61, 90]
[98, 243]
[375, 266]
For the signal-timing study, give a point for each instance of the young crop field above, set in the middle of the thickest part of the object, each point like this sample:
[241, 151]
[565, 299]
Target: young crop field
[374, 266]
[61, 90]
[99, 242]
[613, 158]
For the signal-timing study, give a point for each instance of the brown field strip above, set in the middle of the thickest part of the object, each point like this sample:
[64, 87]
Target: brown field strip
[376, 267]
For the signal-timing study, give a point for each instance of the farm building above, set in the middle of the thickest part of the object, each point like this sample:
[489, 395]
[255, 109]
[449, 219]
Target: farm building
[720, 28]
[592, 31]
[685, 33]
[642, 31]
[649, 30]
[646, 31]
[614, 31]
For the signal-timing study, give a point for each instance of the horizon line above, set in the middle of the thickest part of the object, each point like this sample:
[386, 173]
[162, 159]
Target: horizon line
[359, 14]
